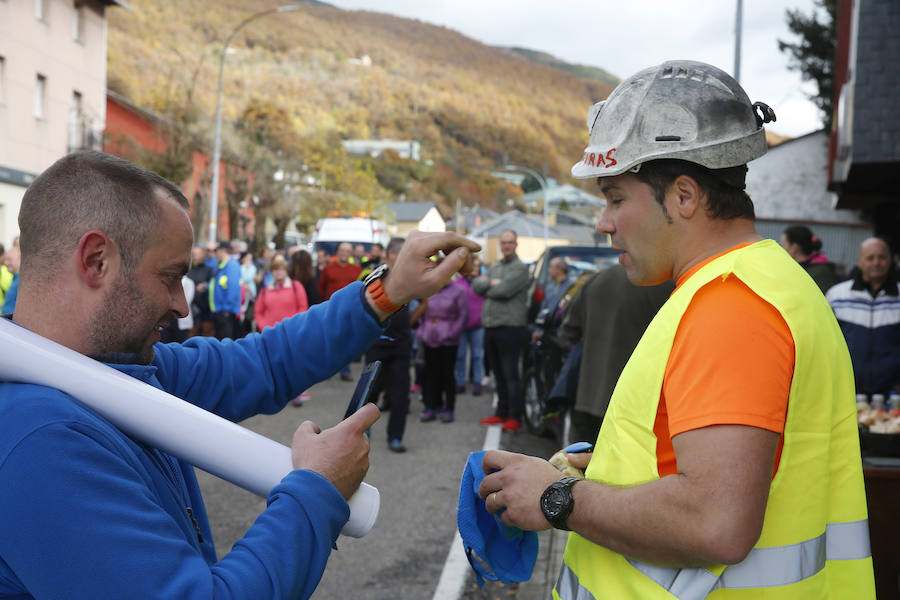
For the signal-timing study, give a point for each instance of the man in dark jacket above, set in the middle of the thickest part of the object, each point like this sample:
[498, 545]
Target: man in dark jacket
[867, 308]
[394, 349]
[608, 315]
[200, 274]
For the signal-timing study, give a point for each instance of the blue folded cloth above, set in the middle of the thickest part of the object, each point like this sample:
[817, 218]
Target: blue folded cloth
[496, 551]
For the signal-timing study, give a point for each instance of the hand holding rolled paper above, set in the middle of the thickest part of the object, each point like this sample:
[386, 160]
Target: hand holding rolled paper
[339, 454]
[179, 428]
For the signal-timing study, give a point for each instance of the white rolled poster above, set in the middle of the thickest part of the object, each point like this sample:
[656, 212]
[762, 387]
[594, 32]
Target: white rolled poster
[216, 445]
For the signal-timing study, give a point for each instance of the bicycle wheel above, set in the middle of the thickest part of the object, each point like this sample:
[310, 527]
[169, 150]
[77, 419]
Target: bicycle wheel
[534, 402]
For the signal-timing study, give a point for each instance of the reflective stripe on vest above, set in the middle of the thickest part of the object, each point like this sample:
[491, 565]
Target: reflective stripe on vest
[762, 568]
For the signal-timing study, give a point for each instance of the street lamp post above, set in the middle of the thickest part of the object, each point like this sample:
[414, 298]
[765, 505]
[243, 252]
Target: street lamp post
[543, 184]
[217, 145]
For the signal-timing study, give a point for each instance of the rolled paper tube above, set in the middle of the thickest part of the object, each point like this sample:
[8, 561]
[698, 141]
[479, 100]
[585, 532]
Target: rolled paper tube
[216, 445]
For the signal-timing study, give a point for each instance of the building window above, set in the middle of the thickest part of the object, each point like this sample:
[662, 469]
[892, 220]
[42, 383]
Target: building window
[76, 128]
[39, 10]
[39, 91]
[77, 22]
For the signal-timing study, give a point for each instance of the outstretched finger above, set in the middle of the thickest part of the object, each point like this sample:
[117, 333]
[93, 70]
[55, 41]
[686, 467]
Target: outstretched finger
[452, 263]
[446, 241]
[362, 419]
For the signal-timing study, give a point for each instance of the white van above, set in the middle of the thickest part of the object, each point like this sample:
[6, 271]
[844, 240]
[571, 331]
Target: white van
[331, 232]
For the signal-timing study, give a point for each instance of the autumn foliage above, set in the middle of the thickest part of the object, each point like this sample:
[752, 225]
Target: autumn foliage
[296, 85]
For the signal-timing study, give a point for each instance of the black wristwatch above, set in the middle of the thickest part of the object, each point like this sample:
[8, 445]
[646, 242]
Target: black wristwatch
[557, 502]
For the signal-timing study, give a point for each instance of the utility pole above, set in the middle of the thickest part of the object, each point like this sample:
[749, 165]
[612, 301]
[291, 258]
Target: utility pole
[738, 26]
[217, 144]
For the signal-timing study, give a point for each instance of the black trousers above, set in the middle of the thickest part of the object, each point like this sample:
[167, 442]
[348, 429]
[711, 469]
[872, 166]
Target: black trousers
[439, 387]
[503, 347]
[226, 325]
[395, 378]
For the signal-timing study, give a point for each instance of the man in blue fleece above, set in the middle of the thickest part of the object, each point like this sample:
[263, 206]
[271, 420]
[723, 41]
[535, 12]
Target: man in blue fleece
[89, 512]
[225, 293]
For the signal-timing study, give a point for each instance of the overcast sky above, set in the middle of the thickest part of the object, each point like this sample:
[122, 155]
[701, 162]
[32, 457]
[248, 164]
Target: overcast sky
[624, 37]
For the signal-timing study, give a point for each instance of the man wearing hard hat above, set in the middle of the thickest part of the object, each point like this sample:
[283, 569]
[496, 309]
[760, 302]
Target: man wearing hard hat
[728, 463]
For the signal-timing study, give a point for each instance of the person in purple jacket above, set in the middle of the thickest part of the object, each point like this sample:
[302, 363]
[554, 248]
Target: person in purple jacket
[471, 340]
[442, 323]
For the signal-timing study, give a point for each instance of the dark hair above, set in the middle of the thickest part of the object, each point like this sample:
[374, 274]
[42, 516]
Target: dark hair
[395, 244]
[301, 267]
[726, 198]
[803, 237]
[91, 190]
[378, 245]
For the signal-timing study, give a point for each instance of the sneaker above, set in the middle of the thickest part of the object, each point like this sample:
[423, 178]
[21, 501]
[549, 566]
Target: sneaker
[346, 377]
[396, 445]
[427, 415]
[460, 389]
[298, 401]
[447, 416]
[494, 420]
[415, 388]
[476, 389]
[512, 425]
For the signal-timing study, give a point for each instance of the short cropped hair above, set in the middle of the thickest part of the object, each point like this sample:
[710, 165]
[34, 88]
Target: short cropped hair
[85, 191]
[726, 198]
[395, 244]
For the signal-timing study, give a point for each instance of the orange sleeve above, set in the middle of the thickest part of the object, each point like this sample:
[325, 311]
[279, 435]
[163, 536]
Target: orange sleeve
[732, 363]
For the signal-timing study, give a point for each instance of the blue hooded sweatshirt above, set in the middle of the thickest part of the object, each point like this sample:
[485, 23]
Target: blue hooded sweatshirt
[88, 512]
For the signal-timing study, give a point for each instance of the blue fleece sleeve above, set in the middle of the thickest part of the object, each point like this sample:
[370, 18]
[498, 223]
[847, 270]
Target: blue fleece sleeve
[89, 526]
[237, 379]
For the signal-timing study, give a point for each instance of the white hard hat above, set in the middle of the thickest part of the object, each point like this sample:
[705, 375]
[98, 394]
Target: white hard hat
[680, 109]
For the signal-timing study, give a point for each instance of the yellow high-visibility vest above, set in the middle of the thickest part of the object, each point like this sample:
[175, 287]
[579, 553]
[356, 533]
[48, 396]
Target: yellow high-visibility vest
[815, 537]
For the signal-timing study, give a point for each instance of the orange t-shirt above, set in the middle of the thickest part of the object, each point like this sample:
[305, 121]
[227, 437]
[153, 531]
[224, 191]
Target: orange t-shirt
[731, 363]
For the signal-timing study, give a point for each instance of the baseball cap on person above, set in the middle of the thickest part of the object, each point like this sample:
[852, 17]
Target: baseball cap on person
[224, 246]
[496, 551]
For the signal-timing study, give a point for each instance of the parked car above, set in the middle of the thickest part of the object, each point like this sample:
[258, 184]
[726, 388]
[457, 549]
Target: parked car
[581, 259]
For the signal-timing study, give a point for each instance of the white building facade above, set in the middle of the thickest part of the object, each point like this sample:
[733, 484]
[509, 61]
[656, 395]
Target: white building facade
[52, 90]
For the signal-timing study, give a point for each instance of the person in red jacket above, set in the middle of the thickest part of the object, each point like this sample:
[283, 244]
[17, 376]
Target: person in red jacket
[338, 273]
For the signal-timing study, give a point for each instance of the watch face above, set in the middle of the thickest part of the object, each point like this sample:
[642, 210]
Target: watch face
[555, 500]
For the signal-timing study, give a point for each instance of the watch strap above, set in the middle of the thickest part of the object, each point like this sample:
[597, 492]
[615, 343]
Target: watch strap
[376, 290]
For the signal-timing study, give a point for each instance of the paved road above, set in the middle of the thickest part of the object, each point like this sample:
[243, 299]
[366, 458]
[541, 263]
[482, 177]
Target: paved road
[403, 556]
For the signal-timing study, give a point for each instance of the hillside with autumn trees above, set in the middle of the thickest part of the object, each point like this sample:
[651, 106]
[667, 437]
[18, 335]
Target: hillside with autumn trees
[297, 83]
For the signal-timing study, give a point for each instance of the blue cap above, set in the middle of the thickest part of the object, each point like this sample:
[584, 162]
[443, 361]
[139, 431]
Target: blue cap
[496, 551]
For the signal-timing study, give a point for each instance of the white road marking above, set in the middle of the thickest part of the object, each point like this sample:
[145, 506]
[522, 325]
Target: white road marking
[456, 567]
